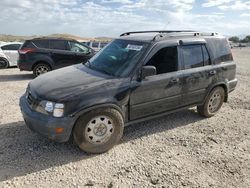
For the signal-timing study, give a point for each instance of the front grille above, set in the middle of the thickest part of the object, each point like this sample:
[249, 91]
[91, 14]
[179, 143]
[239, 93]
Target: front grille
[31, 100]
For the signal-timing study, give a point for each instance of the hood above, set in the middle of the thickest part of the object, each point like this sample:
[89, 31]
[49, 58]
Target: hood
[67, 82]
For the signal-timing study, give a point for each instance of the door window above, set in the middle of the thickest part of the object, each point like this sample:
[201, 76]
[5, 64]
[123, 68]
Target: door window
[58, 45]
[76, 47]
[192, 56]
[12, 47]
[165, 60]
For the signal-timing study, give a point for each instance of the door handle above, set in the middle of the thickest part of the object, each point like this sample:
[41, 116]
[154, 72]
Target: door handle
[213, 72]
[174, 80]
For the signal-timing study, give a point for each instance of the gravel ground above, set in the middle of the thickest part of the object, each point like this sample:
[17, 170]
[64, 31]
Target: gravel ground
[178, 150]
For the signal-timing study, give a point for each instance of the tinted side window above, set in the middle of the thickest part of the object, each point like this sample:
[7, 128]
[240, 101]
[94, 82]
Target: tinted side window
[192, 56]
[165, 60]
[41, 43]
[205, 56]
[11, 47]
[58, 45]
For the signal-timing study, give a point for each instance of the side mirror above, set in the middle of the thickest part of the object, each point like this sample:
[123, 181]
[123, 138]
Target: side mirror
[147, 71]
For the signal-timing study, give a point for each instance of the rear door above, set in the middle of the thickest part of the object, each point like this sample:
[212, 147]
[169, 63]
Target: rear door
[60, 53]
[198, 73]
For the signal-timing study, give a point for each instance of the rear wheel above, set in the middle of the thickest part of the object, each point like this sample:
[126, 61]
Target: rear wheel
[41, 68]
[3, 63]
[99, 130]
[213, 102]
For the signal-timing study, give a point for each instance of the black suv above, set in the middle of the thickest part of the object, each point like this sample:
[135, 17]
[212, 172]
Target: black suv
[41, 55]
[134, 78]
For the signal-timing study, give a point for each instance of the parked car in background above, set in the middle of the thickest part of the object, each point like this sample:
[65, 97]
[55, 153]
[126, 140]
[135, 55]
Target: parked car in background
[42, 55]
[9, 54]
[139, 76]
[97, 46]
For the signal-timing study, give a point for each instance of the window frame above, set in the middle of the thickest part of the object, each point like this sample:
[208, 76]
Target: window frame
[156, 48]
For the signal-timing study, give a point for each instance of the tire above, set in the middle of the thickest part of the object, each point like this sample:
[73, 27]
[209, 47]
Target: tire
[41, 68]
[3, 63]
[99, 130]
[213, 102]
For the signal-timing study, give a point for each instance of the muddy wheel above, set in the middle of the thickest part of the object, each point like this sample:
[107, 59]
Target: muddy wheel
[213, 102]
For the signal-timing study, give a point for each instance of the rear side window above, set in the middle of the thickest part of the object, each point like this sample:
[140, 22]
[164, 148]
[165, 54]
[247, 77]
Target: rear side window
[221, 50]
[192, 56]
[12, 47]
[41, 43]
[58, 45]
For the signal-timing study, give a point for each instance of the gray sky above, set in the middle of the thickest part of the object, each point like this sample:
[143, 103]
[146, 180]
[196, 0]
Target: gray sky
[112, 17]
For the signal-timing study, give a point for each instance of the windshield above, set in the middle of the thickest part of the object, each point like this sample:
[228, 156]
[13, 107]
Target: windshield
[118, 58]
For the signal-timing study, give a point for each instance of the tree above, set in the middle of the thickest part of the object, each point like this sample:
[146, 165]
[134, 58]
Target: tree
[246, 39]
[234, 39]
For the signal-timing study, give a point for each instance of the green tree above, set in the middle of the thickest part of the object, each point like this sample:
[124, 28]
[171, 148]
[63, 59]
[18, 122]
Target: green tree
[234, 39]
[246, 39]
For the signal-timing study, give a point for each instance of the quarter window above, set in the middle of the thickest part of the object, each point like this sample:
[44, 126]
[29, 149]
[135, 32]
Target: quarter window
[41, 43]
[192, 56]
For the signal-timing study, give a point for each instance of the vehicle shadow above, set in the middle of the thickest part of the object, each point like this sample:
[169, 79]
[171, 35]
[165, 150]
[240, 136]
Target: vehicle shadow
[16, 77]
[23, 152]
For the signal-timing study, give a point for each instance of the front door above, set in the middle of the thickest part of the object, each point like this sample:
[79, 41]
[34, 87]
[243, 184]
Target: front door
[161, 92]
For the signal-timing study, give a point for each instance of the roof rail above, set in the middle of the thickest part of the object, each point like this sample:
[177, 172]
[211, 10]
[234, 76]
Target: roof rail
[159, 31]
[188, 33]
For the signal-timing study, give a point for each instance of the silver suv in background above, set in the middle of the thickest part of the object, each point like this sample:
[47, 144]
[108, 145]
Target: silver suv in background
[9, 54]
[97, 46]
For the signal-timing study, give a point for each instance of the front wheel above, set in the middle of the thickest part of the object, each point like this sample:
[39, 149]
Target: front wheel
[41, 68]
[213, 102]
[99, 130]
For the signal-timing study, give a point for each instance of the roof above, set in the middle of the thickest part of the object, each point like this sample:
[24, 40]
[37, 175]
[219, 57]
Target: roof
[150, 36]
[53, 38]
[7, 43]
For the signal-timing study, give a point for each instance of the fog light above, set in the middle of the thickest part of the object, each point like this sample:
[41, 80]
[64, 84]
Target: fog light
[59, 130]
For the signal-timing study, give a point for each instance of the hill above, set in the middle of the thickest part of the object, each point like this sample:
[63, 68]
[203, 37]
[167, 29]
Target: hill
[11, 38]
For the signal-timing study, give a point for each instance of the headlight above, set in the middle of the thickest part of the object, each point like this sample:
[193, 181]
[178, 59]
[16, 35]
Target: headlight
[48, 107]
[58, 110]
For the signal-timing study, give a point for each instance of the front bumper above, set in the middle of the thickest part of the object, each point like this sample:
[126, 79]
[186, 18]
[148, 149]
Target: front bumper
[45, 125]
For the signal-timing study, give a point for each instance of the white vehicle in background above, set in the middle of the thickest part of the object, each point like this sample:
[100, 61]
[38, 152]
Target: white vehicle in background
[9, 54]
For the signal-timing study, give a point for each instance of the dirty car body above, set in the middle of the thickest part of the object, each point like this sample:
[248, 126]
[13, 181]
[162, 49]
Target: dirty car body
[131, 87]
